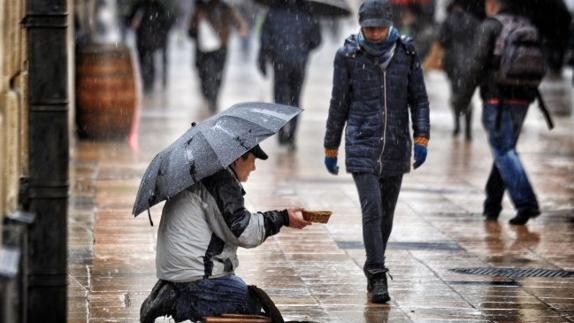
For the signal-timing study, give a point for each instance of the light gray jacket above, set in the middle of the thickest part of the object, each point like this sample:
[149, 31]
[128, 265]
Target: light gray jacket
[202, 227]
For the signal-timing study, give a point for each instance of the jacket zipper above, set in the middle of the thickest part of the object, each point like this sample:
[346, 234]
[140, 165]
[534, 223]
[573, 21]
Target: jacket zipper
[385, 122]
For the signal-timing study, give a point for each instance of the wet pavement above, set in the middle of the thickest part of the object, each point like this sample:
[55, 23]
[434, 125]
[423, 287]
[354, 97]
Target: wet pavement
[315, 274]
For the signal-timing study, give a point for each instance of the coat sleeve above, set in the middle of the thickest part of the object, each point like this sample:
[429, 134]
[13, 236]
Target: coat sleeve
[248, 229]
[265, 40]
[418, 100]
[340, 102]
[444, 34]
[479, 64]
[315, 38]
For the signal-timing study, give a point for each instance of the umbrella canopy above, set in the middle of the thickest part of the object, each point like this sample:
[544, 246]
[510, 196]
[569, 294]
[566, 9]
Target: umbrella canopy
[327, 8]
[209, 147]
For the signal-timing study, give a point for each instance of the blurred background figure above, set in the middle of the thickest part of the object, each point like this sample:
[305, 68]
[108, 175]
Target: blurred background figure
[249, 11]
[417, 24]
[210, 27]
[288, 35]
[456, 37]
[152, 21]
[124, 11]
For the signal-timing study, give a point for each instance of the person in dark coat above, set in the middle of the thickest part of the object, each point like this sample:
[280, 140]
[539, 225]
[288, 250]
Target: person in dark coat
[456, 37]
[289, 33]
[378, 80]
[503, 114]
[152, 23]
[217, 17]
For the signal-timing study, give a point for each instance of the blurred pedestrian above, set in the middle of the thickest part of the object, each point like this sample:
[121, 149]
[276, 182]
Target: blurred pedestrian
[288, 35]
[378, 80]
[508, 73]
[418, 27]
[456, 37]
[152, 22]
[210, 27]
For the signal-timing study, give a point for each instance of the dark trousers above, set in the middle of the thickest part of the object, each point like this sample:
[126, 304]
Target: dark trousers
[378, 196]
[214, 297]
[507, 171]
[287, 84]
[147, 67]
[210, 67]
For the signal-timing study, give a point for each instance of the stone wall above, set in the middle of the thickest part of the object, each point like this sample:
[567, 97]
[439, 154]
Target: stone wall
[13, 115]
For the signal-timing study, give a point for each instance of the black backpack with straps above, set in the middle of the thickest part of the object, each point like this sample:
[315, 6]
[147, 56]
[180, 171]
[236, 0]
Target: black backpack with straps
[521, 56]
[519, 47]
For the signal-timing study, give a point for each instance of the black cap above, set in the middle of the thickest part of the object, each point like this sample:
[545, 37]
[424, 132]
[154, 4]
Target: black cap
[375, 13]
[259, 153]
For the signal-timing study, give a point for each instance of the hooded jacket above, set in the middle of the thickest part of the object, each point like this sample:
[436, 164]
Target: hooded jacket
[202, 227]
[374, 105]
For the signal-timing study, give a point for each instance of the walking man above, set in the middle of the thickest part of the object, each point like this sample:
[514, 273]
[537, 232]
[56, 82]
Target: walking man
[378, 80]
[505, 105]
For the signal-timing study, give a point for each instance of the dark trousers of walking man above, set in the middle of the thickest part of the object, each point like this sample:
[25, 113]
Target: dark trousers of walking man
[287, 84]
[210, 67]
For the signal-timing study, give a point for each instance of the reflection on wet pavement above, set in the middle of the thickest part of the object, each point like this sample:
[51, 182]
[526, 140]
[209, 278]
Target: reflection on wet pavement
[315, 274]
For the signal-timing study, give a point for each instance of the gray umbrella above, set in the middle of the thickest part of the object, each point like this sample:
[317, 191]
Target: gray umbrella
[209, 147]
[326, 8]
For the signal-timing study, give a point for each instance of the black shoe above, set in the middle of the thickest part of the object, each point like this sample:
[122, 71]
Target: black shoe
[522, 217]
[380, 292]
[160, 302]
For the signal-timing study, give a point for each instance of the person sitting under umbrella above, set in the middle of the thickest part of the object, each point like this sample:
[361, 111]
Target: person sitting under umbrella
[199, 233]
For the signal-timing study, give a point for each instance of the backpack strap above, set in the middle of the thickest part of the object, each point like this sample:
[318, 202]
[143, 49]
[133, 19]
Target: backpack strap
[409, 46]
[545, 112]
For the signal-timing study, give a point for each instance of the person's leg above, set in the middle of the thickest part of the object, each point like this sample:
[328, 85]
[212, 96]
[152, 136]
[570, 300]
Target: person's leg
[390, 186]
[145, 56]
[202, 66]
[296, 77]
[455, 112]
[372, 216]
[390, 189]
[281, 94]
[371, 209]
[494, 194]
[165, 64]
[528, 206]
[468, 122]
[218, 69]
[213, 297]
[502, 140]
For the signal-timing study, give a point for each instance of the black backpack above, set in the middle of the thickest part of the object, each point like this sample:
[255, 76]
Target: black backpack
[519, 47]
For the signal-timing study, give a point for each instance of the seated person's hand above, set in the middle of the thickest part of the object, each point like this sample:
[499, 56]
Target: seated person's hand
[296, 218]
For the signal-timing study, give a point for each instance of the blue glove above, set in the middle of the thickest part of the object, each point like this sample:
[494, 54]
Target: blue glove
[420, 155]
[331, 164]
